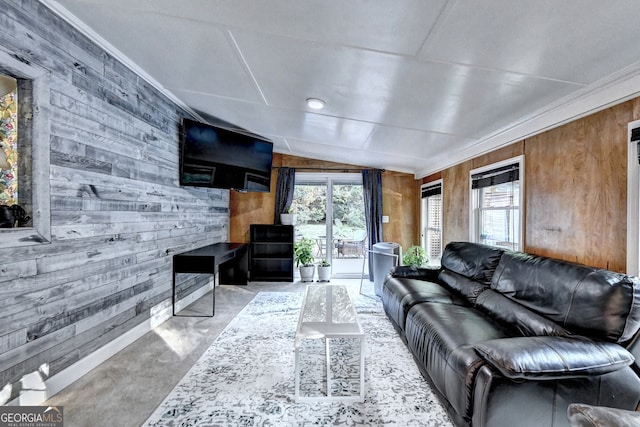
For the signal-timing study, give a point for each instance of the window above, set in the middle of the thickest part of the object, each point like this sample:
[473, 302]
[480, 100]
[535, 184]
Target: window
[496, 198]
[8, 140]
[431, 208]
[25, 144]
[633, 198]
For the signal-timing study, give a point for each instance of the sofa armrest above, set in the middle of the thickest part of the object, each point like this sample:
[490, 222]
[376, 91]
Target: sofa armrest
[429, 274]
[553, 357]
[581, 415]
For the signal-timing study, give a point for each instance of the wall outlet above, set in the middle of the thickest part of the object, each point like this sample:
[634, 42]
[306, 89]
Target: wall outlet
[385, 219]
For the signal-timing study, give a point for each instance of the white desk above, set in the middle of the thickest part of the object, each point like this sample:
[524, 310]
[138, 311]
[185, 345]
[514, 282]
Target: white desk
[327, 312]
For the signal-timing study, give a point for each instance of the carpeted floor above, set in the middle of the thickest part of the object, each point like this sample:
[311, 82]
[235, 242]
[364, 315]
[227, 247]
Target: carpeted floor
[246, 377]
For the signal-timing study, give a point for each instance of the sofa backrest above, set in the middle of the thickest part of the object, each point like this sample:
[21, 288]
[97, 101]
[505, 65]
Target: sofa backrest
[472, 260]
[585, 300]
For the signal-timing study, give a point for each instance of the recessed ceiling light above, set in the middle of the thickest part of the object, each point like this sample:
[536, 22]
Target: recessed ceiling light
[315, 103]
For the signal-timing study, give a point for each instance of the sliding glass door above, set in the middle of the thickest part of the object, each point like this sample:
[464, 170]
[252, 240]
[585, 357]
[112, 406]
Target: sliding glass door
[330, 211]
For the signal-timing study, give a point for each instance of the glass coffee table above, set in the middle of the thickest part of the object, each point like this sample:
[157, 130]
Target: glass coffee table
[328, 314]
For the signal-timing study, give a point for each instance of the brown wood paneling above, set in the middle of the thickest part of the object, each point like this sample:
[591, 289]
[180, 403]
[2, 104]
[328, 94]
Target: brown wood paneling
[575, 187]
[503, 153]
[635, 107]
[257, 208]
[317, 165]
[433, 177]
[456, 190]
[251, 208]
[455, 203]
[399, 201]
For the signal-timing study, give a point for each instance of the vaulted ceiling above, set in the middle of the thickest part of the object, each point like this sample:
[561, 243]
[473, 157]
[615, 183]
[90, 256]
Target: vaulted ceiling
[409, 85]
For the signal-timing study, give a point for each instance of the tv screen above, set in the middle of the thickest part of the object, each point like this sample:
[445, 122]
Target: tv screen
[221, 158]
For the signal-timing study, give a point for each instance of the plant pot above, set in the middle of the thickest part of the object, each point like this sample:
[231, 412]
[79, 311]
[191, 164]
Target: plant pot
[288, 219]
[306, 273]
[324, 273]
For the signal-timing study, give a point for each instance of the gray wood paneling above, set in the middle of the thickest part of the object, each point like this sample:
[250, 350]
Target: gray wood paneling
[117, 210]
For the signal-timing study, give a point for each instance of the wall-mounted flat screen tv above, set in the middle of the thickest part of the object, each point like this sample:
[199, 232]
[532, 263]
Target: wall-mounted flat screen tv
[215, 157]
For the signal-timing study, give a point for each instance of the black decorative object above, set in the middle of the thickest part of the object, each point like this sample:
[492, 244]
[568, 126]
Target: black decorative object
[13, 216]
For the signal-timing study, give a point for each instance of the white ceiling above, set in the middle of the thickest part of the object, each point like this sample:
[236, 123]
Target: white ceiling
[409, 85]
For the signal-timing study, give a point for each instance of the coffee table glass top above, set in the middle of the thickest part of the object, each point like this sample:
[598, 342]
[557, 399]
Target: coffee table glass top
[327, 312]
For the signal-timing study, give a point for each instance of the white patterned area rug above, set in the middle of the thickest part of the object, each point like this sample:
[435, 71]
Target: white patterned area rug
[246, 377]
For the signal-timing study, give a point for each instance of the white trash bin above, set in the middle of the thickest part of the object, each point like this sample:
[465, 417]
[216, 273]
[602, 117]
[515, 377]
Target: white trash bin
[385, 257]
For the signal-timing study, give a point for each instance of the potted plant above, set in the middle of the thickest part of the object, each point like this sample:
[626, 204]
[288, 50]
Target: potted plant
[324, 271]
[288, 217]
[415, 256]
[303, 254]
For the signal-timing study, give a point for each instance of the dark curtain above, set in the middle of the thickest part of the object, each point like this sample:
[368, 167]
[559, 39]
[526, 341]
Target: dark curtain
[372, 189]
[284, 192]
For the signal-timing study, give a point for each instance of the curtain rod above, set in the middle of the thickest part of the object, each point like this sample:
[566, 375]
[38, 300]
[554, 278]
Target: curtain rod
[328, 169]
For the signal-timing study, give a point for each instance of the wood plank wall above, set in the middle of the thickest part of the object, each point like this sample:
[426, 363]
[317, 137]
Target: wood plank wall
[399, 202]
[575, 189]
[117, 210]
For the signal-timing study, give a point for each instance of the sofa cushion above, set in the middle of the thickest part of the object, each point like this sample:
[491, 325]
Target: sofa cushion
[472, 260]
[429, 274]
[441, 338]
[400, 294]
[468, 288]
[551, 358]
[583, 299]
[525, 321]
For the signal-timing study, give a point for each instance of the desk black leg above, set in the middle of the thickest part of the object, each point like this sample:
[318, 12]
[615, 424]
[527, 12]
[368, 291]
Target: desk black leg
[173, 300]
[213, 309]
[173, 292]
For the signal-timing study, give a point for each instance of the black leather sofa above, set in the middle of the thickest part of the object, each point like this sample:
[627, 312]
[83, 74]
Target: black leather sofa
[512, 339]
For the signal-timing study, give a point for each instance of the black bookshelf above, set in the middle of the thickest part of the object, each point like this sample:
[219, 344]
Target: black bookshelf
[271, 253]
